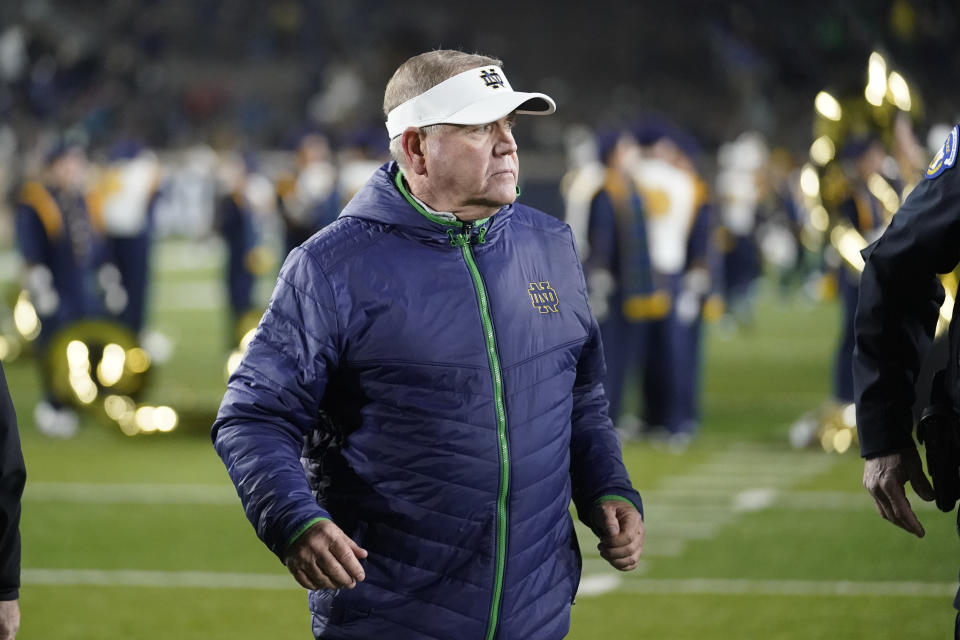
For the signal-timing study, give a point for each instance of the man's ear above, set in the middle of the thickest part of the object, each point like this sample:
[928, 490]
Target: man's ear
[414, 146]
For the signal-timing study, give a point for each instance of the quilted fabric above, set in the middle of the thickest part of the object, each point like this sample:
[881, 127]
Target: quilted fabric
[371, 362]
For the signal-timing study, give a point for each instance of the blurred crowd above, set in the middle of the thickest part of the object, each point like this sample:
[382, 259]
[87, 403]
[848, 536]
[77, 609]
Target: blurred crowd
[187, 119]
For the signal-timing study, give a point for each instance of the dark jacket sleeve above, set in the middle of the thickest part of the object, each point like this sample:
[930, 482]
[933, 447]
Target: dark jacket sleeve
[898, 308]
[13, 475]
[272, 403]
[596, 461]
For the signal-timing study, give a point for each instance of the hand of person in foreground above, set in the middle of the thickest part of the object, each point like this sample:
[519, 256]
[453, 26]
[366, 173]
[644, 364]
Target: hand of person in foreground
[324, 557]
[885, 476]
[619, 526]
[9, 619]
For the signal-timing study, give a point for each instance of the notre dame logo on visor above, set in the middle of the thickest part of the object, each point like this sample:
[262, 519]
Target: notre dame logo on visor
[491, 78]
[543, 297]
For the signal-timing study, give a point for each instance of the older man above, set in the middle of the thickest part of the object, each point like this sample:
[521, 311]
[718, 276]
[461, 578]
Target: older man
[433, 358]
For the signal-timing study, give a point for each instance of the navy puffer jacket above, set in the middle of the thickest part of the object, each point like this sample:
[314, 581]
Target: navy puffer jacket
[442, 385]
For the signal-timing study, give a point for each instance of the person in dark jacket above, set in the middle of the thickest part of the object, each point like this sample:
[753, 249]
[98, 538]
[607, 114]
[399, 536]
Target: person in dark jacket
[423, 396]
[619, 275]
[897, 313]
[13, 475]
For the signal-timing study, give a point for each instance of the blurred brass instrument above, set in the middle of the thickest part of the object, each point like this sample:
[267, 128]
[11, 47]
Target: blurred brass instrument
[884, 110]
[95, 365]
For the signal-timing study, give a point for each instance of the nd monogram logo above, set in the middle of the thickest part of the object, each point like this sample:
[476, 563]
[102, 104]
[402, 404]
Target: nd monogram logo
[543, 297]
[491, 78]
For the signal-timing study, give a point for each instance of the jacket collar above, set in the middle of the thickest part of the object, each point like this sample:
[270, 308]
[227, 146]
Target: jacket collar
[385, 199]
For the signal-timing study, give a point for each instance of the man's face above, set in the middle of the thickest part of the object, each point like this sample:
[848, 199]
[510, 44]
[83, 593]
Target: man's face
[472, 165]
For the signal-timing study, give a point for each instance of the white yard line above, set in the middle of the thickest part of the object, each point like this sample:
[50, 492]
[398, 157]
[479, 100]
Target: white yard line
[724, 586]
[162, 579]
[107, 493]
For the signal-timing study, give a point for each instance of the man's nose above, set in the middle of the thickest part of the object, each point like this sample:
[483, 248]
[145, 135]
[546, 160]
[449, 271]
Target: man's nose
[506, 143]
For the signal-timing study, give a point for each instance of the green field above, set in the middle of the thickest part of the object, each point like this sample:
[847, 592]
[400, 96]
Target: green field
[144, 537]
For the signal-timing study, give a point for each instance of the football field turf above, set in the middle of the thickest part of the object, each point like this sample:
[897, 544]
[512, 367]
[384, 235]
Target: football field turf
[747, 538]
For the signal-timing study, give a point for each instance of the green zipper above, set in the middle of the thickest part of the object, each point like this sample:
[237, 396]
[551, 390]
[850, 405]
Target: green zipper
[462, 240]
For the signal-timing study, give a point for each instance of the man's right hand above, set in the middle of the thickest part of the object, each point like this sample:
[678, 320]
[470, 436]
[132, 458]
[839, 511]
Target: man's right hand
[324, 557]
[885, 476]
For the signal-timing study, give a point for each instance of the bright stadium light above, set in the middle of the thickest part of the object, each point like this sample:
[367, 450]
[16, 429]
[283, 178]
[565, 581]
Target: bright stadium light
[78, 356]
[899, 91]
[110, 369]
[25, 317]
[83, 387]
[819, 218]
[822, 150]
[827, 106]
[165, 419]
[876, 80]
[809, 182]
[144, 419]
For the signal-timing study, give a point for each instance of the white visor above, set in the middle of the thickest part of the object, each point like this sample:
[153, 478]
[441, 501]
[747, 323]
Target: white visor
[477, 96]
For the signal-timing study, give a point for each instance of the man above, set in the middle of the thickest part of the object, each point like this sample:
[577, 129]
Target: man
[898, 309]
[684, 262]
[616, 258]
[863, 159]
[433, 355]
[13, 475]
[65, 269]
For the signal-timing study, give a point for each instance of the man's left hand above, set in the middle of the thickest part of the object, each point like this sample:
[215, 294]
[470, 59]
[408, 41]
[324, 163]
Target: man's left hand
[619, 526]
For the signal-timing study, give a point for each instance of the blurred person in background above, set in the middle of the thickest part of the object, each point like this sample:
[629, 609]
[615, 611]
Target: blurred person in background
[13, 476]
[616, 257]
[310, 199]
[740, 187]
[247, 197]
[686, 275]
[862, 157]
[362, 152]
[124, 197]
[432, 357]
[900, 296]
[66, 272]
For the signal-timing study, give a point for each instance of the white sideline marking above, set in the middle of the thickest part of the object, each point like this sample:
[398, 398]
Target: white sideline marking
[163, 579]
[590, 585]
[722, 586]
[598, 585]
[105, 493]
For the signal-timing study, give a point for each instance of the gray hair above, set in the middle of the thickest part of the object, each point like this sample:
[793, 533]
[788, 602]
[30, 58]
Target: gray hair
[423, 72]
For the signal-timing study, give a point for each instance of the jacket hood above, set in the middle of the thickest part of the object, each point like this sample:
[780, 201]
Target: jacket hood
[380, 200]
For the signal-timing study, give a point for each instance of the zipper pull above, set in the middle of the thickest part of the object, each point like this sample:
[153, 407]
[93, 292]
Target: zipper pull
[482, 236]
[466, 228]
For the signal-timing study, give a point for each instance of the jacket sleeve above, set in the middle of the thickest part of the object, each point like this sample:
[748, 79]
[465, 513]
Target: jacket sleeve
[272, 403]
[13, 475]
[597, 471]
[898, 308]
